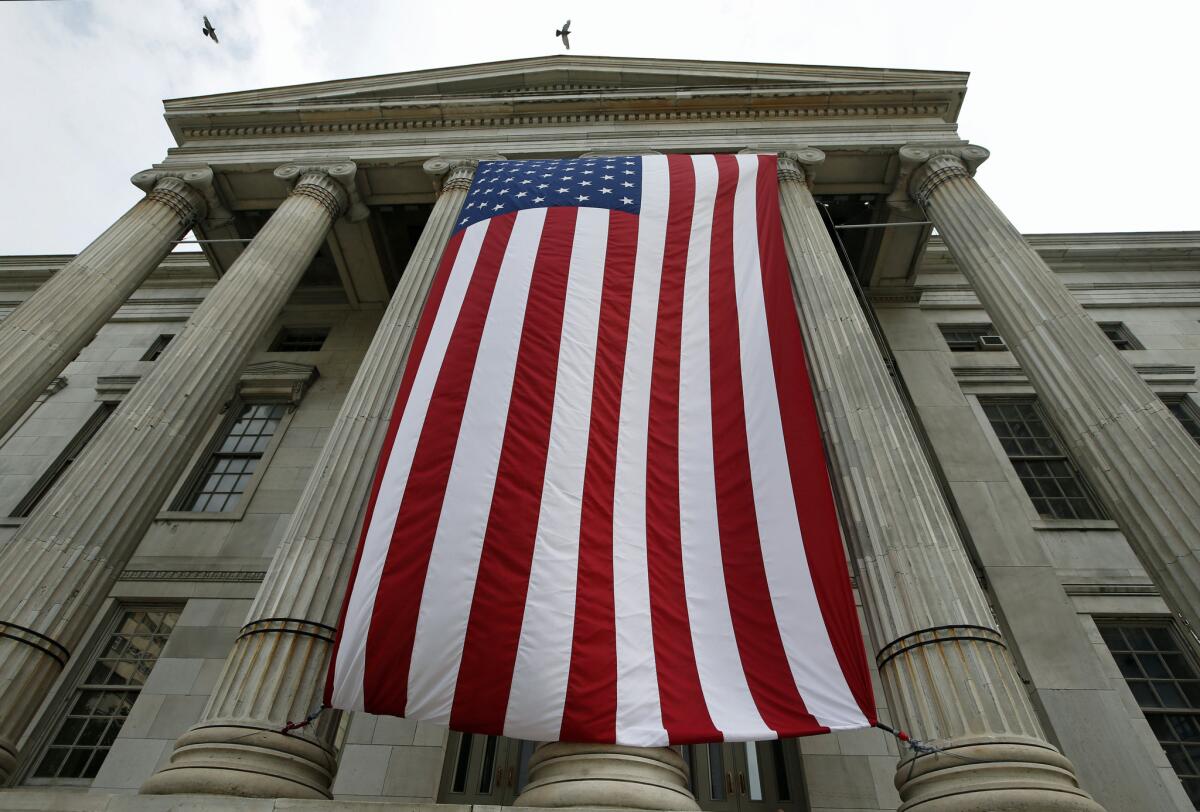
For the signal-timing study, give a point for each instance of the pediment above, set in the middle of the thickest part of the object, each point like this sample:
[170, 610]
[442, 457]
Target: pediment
[555, 82]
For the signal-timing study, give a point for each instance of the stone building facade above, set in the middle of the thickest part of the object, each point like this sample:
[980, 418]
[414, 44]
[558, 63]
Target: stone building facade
[186, 441]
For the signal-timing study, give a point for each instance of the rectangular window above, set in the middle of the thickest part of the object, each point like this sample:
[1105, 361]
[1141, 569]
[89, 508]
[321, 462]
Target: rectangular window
[1119, 335]
[60, 465]
[231, 463]
[1185, 413]
[157, 347]
[964, 337]
[103, 699]
[300, 339]
[1049, 477]
[1161, 672]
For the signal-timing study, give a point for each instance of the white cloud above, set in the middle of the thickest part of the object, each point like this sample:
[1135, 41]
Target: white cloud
[1086, 107]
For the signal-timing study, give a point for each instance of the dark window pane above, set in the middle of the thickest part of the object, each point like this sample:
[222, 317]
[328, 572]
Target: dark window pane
[300, 339]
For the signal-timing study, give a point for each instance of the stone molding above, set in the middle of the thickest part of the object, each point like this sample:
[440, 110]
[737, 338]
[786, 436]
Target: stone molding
[797, 164]
[277, 382]
[113, 388]
[543, 119]
[977, 379]
[199, 178]
[343, 173]
[222, 576]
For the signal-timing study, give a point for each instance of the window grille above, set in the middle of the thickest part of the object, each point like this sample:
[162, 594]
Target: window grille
[1162, 674]
[60, 465]
[1049, 477]
[156, 348]
[103, 699]
[231, 463]
[300, 339]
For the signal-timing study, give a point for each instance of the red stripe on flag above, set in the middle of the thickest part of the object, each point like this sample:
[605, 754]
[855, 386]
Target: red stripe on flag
[590, 713]
[684, 713]
[401, 584]
[802, 438]
[764, 660]
[420, 339]
[497, 609]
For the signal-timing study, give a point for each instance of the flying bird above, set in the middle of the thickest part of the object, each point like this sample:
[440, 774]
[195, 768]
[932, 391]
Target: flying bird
[564, 32]
[209, 31]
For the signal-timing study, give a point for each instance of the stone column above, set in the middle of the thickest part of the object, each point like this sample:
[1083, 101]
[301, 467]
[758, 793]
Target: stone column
[276, 670]
[945, 670]
[1131, 448]
[49, 329]
[61, 564]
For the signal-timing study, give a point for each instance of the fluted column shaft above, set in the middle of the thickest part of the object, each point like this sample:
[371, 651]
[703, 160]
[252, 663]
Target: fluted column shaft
[60, 566]
[49, 329]
[1130, 447]
[276, 670]
[945, 670]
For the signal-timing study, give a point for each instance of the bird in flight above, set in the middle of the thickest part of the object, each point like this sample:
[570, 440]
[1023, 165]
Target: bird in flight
[564, 32]
[209, 31]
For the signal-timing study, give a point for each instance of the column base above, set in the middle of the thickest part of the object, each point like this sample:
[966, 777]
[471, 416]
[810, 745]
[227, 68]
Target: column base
[564, 774]
[979, 775]
[247, 761]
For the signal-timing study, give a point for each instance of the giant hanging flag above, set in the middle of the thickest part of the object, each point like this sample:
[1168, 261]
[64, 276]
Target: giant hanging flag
[602, 511]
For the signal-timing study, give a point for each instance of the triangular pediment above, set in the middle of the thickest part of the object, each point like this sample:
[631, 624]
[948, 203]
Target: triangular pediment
[559, 80]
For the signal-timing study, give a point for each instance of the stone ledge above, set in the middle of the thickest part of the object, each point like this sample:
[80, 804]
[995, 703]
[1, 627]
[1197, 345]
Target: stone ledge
[72, 800]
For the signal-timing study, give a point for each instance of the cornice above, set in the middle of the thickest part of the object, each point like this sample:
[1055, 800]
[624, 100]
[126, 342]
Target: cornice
[28, 271]
[392, 118]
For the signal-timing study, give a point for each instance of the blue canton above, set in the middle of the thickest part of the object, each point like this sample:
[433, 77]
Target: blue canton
[503, 186]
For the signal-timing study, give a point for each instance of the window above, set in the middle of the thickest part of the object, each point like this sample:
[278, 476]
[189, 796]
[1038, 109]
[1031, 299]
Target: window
[1185, 413]
[1049, 477]
[300, 339]
[156, 348]
[63, 461]
[1164, 680]
[231, 463]
[103, 699]
[1119, 335]
[964, 337]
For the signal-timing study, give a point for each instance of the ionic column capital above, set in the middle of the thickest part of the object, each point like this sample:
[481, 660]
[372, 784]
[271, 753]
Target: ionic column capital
[332, 184]
[923, 169]
[795, 165]
[449, 174]
[188, 191]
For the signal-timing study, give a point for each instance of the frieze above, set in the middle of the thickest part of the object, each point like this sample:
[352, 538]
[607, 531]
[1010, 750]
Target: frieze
[872, 111]
[228, 576]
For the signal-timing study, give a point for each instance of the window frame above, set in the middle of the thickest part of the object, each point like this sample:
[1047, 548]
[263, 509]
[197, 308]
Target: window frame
[158, 346]
[1187, 648]
[1085, 487]
[1189, 409]
[1123, 333]
[68, 685]
[197, 465]
[982, 327]
[42, 486]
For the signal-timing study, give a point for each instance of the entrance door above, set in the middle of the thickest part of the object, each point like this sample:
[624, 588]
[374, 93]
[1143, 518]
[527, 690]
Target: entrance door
[484, 769]
[747, 776]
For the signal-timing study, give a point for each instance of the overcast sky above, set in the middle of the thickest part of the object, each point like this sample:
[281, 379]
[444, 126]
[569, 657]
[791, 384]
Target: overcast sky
[1089, 108]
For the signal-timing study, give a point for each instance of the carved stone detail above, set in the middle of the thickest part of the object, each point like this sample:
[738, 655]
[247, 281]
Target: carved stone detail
[277, 381]
[158, 183]
[455, 174]
[338, 198]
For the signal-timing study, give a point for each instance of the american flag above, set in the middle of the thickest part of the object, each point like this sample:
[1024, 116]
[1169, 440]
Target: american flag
[602, 511]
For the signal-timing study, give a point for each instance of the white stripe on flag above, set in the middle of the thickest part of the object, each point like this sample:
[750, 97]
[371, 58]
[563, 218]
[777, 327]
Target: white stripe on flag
[539, 682]
[458, 542]
[722, 679]
[814, 664]
[348, 691]
[639, 715]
